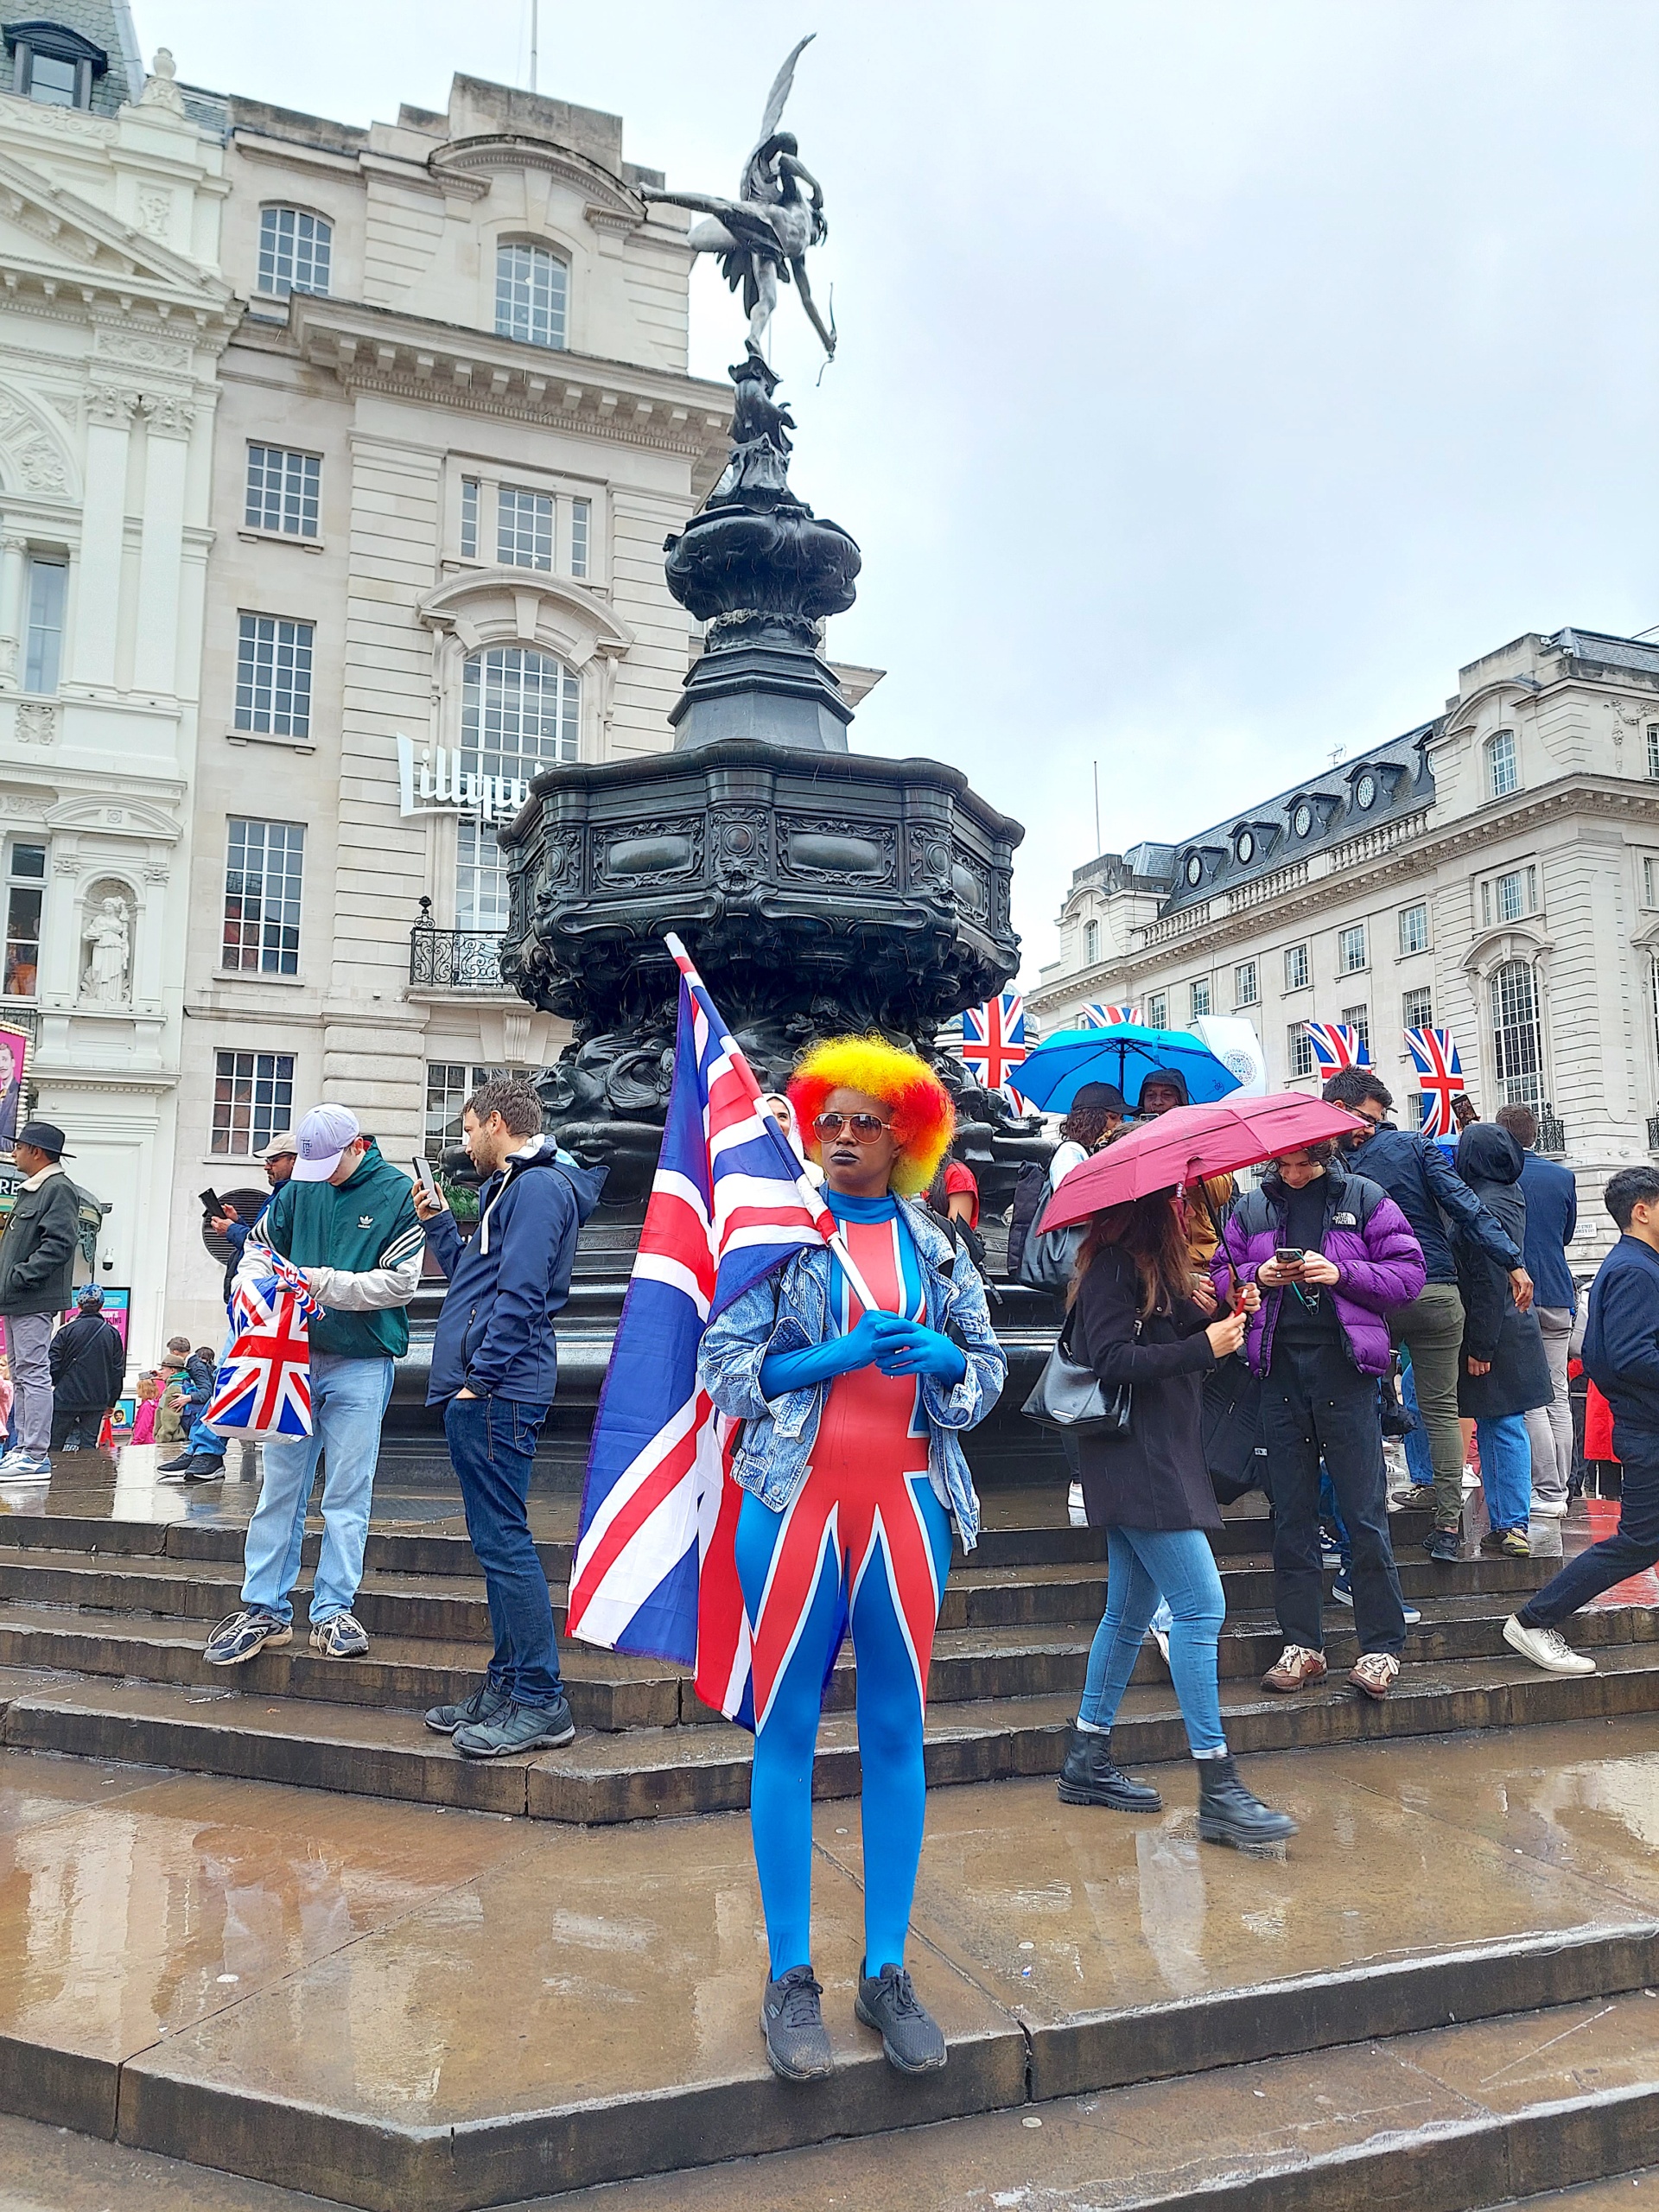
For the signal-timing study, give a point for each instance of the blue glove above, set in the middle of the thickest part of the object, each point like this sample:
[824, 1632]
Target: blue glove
[926, 1351]
[781, 1371]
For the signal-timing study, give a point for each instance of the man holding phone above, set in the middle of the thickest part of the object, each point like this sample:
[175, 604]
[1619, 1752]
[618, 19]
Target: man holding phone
[494, 1369]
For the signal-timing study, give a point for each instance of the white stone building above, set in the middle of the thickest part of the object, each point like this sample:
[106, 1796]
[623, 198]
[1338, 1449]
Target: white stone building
[455, 427]
[112, 321]
[1494, 872]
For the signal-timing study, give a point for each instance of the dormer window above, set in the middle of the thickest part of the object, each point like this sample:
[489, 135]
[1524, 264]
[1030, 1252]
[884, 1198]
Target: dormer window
[1302, 820]
[54, 65]
[1194, 869]
[1365, 792]
[1244, 848]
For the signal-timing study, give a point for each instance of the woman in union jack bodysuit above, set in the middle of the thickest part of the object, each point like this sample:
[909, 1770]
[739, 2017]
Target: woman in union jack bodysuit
[854, 1385]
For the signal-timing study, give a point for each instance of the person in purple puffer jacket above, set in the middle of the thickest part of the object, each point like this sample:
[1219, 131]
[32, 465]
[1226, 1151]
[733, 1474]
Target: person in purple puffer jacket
[1319, 1341]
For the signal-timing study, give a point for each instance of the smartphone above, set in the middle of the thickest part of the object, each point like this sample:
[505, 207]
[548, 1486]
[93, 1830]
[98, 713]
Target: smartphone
[423, 1175]
[1288, 1255]
[211, 1201]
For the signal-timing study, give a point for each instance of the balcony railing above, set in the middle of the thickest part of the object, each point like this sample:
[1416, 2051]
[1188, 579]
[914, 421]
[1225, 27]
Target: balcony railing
[454, 960]
[1551, 1133]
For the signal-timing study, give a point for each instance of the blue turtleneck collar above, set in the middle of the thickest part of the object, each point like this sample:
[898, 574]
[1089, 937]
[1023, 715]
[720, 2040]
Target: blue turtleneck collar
[849, 1209]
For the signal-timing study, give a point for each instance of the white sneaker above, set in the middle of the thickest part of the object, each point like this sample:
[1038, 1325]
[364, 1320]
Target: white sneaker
[1546, 1647]
[25, 1466]
[1550, 1508]
[1470, 1479]
[1075, 1512]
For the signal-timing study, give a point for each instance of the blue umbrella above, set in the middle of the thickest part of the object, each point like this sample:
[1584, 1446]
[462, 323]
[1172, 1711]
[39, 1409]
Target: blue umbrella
[1053, 1073]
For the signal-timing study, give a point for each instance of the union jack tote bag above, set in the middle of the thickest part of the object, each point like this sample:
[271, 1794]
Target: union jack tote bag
[263, 1389]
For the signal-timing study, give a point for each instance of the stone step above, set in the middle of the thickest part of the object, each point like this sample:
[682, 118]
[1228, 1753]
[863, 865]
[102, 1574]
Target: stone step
[670, 1773]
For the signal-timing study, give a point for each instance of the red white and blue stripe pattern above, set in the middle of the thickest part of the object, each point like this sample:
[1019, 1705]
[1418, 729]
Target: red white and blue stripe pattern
[264, 1385]
[1338, 1045]
[655, 1570]
[994, 1038]
[1439, 1077]
[1098, 1016]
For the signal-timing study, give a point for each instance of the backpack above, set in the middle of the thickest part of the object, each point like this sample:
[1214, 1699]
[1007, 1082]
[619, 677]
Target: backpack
[1050, 1258]
[1030, 1190]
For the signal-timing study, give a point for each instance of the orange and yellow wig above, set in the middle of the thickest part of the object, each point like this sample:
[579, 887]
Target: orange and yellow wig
[923, 1120]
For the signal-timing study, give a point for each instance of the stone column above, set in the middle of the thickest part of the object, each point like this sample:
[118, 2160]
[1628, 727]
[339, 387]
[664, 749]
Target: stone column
[160, 559]
[11, 613]
[103, 522]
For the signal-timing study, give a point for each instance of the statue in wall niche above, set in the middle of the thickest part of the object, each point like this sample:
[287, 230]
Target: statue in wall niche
[764, 235]
[109, 933]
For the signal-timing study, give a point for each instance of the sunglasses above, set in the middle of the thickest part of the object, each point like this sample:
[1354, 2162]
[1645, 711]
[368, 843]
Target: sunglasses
[863, 1128]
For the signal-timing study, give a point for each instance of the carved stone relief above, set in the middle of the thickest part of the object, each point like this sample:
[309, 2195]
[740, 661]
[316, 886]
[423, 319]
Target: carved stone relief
[39, 462]
[37, 723]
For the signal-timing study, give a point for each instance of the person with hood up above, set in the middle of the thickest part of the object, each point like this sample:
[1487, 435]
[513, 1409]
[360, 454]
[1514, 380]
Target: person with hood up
[1207, 1204]
[494, 1370]
[1319, 1341]
[1505, 1369]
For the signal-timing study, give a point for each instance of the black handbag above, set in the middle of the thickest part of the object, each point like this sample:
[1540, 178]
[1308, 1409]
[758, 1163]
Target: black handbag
[1073, 1399]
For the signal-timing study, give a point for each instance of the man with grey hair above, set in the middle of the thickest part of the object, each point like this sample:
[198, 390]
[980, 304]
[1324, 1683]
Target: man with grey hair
[494, 1370]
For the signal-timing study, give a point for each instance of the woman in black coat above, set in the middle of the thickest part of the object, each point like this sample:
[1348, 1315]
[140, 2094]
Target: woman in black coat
[1505, 1369]
[1134, 1319]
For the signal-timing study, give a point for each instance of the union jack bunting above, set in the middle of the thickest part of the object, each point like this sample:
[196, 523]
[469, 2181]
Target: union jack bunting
[264, 1385]
[1098, 1016]
[1439, 1077]
[994, 1038]
[1338, 1045]
[656, 1570]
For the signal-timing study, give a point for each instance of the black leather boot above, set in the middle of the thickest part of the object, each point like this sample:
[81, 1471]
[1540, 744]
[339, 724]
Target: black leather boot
[1089, 1777]
[1227, 1812]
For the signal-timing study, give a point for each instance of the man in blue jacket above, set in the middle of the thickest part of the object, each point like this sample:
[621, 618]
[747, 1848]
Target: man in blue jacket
[494, 1368]
[1431, 1194]
[1621, 1354]
[1551, 1198]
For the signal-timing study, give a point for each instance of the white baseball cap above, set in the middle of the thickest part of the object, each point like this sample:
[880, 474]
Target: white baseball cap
[321, 1139]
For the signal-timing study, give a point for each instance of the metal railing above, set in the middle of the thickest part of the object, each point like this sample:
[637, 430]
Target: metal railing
[1551, 1133]
[454, 960]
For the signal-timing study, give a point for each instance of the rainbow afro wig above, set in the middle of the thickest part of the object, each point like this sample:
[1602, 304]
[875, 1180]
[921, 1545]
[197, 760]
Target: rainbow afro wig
[923, 1120]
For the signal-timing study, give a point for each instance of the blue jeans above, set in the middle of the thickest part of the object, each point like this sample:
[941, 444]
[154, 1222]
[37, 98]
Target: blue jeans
[493, 1448]
[1506, 1470]
[348, 1399]
[1632, 1548]
[1142, 1564]
[200, 1437]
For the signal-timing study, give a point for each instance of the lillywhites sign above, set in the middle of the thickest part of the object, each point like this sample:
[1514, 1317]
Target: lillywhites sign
[433, 781]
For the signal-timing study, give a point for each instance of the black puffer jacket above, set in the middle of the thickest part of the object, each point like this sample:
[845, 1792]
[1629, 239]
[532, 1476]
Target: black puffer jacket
[87, 1360]
[1490, 1162]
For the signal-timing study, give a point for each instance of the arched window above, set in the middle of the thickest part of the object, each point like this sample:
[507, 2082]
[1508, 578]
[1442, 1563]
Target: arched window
[1091, 943]
[295, 248]
[520, 711]
[1517, 1035]
[1502, 767]
[532, 290]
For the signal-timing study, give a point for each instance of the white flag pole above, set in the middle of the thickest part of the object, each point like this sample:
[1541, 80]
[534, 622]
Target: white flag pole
[809, 1196]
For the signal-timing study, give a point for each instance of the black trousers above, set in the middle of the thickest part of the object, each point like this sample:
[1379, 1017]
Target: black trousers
[76, 1426]
[1632, 1548]
[1315, 1405]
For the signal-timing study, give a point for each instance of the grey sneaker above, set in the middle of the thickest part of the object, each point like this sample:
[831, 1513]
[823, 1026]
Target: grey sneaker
[341, 1637]
[910, 2036]
[791, 2020]
[519, 1728]
[486, 1704]
[243, 1636]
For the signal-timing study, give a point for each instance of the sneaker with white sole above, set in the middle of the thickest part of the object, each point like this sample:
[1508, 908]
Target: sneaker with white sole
[1342, 1591]
[243, 1636]
[1375, 1674]
[20, 1466]
[1546, 1647]
[1295, 1669]
[1550, 1508]
[341, 1637]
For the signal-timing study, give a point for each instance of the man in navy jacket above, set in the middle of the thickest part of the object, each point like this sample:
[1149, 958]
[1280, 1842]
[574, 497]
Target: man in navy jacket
[1621, 1354]
[494, 1370]
[1551, 1198]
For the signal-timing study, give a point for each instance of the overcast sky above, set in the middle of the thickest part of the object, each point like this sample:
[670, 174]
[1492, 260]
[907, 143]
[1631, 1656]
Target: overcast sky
[1214, 379]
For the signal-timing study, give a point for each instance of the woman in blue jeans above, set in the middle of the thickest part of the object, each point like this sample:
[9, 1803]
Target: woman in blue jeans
[1137, 1321]
[1504, 1371]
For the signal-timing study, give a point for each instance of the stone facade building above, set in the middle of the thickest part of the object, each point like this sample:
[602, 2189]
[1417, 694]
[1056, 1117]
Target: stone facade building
[112, 321]
[1494, 872]
[455, 427]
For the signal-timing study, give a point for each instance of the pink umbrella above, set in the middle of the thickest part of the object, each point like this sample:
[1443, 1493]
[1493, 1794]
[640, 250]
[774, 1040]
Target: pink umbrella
[1191, 1143]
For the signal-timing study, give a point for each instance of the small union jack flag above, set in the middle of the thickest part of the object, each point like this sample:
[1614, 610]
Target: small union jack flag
[994, 1038]
[264, 1385]
[1439, 1075]
[1338, 1045]
[1098, 1016]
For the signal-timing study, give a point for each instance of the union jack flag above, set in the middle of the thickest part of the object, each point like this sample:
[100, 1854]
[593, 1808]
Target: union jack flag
[994, 1038]
[1098, 1016]
[264, 1385]
[1439, 1075]
[656, 1570]
[1338, 1045]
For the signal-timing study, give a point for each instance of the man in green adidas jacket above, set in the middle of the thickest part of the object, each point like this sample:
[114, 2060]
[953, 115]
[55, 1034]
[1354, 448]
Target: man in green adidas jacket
[347, 1217]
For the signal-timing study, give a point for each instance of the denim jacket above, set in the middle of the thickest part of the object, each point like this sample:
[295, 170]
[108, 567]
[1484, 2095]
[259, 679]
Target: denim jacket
[790, 1311]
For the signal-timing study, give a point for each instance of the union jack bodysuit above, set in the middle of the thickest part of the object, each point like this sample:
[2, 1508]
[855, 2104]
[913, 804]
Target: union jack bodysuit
[865, 1543]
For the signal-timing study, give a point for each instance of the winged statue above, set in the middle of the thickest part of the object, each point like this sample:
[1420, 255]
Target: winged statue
[763, 236]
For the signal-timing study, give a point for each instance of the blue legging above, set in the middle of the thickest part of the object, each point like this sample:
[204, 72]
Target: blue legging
[1140, 1565]
[894, 1799]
